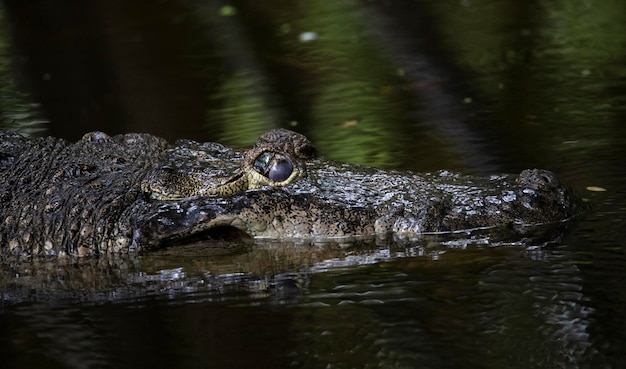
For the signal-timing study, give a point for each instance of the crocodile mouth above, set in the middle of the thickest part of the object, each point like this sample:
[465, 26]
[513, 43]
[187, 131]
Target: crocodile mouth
[215, 234]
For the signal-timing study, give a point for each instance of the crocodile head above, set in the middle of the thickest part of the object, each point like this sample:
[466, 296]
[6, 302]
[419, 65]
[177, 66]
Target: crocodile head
[112, 194]
[279, 190]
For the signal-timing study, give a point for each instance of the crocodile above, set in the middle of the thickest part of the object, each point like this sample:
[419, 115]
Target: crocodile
[135, 192]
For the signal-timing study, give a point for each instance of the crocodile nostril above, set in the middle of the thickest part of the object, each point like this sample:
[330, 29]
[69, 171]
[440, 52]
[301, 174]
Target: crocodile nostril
[546, 178]
[538, 179]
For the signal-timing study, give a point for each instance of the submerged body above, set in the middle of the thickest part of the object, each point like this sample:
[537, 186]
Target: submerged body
[133, 192]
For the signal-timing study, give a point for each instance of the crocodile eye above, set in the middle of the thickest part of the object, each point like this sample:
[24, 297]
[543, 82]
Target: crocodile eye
[276, 167]
[280, 169]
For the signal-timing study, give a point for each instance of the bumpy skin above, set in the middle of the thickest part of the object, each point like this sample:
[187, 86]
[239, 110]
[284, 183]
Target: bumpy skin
[108, 194]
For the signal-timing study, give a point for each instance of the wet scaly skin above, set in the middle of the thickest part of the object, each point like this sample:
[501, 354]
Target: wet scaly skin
[134, 192]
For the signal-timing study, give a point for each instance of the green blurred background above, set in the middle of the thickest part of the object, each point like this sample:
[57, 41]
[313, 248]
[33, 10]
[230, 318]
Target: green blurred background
[478, 86]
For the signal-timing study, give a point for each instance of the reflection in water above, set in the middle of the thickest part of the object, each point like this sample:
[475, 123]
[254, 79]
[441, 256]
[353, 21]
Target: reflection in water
[428, 303]
[554, 312]
[67, 336]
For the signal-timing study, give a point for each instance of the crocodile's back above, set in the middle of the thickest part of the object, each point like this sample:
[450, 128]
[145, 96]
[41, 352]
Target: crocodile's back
[59, 197]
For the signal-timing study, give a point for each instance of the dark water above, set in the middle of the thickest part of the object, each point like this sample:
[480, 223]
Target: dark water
[472, 86]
